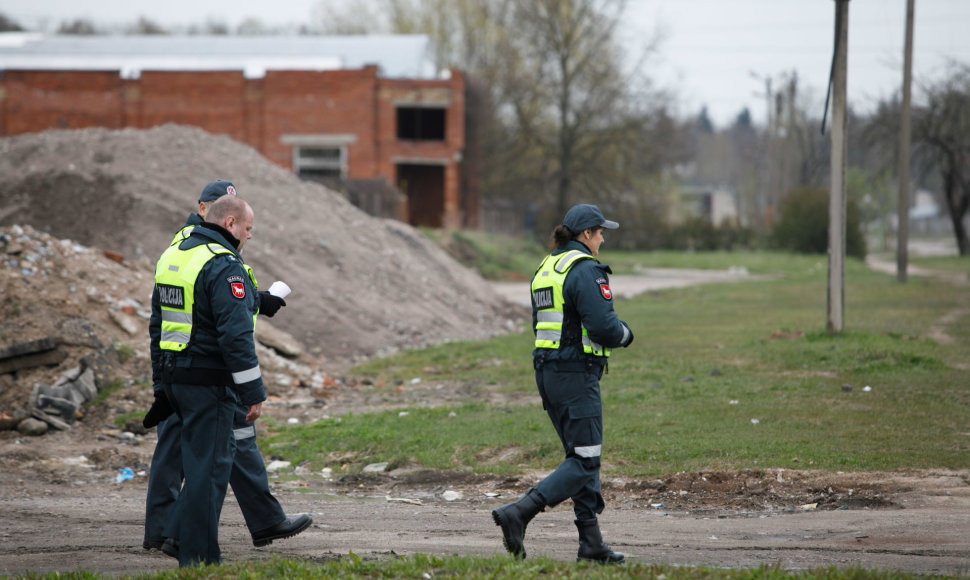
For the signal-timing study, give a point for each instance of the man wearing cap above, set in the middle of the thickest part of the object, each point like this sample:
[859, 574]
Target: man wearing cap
[575, 329]
[264, 516]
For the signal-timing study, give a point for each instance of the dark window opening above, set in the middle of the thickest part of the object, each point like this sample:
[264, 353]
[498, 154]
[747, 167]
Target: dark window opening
[420, 124]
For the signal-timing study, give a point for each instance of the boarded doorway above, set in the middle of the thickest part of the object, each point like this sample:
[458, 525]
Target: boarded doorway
[424, 186]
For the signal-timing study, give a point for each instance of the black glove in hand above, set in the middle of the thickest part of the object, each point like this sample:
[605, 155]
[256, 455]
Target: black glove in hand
[269, 304]
[159, 411]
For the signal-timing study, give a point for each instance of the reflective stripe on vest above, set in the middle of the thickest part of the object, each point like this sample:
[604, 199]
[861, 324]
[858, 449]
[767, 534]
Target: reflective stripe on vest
[548, 301]
[175, 277]
[182, 235]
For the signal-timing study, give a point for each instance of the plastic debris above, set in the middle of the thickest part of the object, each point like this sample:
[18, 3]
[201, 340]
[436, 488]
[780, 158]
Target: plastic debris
[276, 465]
[404, 500]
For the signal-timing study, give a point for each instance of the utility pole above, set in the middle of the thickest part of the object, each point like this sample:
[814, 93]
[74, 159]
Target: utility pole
[902, 231]
[836, 282]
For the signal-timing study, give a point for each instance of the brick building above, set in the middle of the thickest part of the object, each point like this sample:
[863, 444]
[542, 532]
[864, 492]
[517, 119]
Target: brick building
[328, 108]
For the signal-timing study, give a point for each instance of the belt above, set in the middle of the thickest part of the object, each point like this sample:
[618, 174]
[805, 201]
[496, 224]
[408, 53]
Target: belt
[196, 376]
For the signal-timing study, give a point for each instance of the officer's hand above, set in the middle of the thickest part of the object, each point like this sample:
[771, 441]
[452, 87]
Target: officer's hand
[629, 331]
[269, 304]
[254, 412]
[159, 411]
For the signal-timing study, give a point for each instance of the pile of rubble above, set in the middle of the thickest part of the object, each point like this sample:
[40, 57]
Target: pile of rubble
[74, 323]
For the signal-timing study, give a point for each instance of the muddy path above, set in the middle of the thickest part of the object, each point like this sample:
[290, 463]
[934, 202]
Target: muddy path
[98, 528]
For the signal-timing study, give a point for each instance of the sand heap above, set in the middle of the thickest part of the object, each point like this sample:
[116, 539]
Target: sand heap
[362, 286]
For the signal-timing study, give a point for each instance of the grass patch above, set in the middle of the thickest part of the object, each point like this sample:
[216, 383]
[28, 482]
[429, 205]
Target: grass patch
[728, 376]
[106, 392]
[499, 567]
[494, 257]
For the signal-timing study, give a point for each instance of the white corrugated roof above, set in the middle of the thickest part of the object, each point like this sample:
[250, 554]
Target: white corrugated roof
[397, 56]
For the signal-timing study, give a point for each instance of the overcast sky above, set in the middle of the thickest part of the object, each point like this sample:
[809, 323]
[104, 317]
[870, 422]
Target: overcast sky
[716, 53]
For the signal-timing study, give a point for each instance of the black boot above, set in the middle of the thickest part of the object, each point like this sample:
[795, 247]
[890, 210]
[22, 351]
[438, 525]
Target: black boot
[591, 545]
[514, 517]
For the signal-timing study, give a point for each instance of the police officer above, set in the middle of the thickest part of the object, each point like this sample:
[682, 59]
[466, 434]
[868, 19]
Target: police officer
[575, 328]
[264, 516]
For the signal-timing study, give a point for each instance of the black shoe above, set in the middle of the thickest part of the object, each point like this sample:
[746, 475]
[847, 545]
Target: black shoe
[592, 548]
[171, 547]
[152, 544]
[285, 529]
[514, 517]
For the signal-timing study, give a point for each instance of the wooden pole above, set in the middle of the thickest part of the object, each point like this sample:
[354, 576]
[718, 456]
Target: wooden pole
[902, 231]
[836, 281]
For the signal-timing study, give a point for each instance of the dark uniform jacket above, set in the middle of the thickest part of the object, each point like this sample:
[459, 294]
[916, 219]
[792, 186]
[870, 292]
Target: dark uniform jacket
[222, 327]
[588, 302]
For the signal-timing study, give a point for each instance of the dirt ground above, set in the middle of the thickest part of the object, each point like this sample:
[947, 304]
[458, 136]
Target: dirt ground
[63, 509]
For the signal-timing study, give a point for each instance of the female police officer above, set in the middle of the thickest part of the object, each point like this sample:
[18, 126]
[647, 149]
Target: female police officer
[575, 328]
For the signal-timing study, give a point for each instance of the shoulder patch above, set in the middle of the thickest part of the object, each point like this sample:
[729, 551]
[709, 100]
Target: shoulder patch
[237, 285]
[605, 290]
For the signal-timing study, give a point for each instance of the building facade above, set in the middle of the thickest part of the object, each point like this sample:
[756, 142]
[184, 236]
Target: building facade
[370, 111]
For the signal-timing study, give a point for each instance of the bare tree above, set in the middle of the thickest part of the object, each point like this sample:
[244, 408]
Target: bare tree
[144, 25]
[942, 129]
[80, 27]
[9, 25]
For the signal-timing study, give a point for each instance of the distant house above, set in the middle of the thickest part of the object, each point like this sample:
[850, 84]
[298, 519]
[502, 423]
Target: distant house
[329, 108]
[712, 204]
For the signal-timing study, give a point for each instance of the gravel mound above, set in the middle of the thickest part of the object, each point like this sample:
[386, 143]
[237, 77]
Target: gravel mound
[362, 286]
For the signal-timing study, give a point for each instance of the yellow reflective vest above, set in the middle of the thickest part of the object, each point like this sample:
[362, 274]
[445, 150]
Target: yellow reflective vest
[175, 276]
[547, 299]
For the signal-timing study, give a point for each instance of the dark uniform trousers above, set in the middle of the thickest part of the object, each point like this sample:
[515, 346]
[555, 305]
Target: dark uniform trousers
[207, 448]
[570, 394]
[248, 480]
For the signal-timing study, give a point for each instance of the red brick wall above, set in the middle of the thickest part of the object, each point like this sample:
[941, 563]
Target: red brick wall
[36, 101]
[258, 112]
[210, 100]
[331, 102]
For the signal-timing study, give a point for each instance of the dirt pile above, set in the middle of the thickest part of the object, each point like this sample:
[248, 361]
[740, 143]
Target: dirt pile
[76, 316]
[362, 286]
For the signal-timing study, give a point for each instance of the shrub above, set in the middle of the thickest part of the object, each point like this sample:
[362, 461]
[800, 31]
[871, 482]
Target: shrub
[803, 225]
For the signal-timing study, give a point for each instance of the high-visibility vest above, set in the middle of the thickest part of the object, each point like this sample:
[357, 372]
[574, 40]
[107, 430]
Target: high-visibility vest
[548, 301]
[175, 277]
[182, 235]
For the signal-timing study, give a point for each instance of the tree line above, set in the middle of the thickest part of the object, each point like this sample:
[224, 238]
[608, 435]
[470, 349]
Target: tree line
[564, 114]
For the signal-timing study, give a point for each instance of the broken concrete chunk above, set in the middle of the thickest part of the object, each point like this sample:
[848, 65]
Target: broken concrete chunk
[32, 427]
[50, 420]
[127, 323]
[50, 358]
[29, 347]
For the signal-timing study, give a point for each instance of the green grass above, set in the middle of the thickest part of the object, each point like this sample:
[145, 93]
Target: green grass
[494, 257]
[497, 568]
[706, 362]
[942, 263]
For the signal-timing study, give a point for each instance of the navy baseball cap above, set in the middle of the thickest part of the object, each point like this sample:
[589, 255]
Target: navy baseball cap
[584, 216]
[215, 190]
